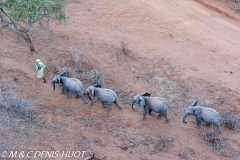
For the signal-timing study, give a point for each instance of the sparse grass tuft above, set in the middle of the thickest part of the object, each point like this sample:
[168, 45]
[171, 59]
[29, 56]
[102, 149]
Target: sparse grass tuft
[76, 60]
[212, 140]
[124, 47]
[12, 101]
[219, 144]
[96, 76]
[230, 121]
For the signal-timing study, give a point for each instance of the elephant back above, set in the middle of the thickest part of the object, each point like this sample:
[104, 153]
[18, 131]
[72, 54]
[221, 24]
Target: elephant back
[209, 112]
[107, 93]
[74, 81]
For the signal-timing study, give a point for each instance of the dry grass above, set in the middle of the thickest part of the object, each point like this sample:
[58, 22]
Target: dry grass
[123, 92]
[96, 76]
[20, 134]
[124, 47]
[78, 58]
[187, 153]
[12, 101]
[23, 123]
[218, 144]
[68, 109]
[89, 74]
[160, 76]
[233, 5]
[212, 140]
[162, 145]
[82, 142]
[230, 121]
[124, 138]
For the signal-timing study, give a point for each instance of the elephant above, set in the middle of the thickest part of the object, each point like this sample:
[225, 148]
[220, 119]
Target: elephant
[208, 115]
[107, 96]
[70, 84]
[156, 104]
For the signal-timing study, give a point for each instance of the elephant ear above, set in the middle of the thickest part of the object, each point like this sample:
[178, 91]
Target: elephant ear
[146, 94]
[92, 91]
[194, 103]
[58, 79]
[141, 102]
[98, 85]
[190, 110]
[64, 74]
[137, 98]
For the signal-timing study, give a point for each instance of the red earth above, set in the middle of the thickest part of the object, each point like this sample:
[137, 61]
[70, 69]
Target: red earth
[179, 50]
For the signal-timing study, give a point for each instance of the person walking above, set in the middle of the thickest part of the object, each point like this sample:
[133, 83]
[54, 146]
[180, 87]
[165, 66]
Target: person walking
[40, 70]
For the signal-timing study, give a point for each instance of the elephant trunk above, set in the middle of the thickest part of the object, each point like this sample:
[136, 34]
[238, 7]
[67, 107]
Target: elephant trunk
[53, 82]
[184, 117]
[132, 103]
[89, 96]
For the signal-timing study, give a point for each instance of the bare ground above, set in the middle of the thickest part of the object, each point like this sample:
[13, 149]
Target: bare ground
[181, 51]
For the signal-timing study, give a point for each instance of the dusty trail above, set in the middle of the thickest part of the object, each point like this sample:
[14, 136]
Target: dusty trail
[186, 33]
[199, 39]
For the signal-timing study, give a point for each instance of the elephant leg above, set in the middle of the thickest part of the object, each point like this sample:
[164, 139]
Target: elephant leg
[145, 112]
[62, 90]
[159, 115]
[68, 94]
[198, 121]
[150, 113]
[165, 116]
[79, 94]
[116, 102]
[93, 101]
[109, 107]
[218, 126]
[208, 124]
[103, 104]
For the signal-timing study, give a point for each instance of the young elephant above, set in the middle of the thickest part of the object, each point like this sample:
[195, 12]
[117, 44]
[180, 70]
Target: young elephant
[70, 84]
[150, 104]
[208, 115]
[107, 96]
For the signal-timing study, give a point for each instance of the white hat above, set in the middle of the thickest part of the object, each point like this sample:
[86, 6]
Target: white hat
[38, 60]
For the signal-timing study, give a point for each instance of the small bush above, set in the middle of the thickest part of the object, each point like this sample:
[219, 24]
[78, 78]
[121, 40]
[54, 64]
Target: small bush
[163, 144]
[12, 101]
[78, 58]
[218, 144]
[230, 121]
[212, 140]
[124, 46]
[96, 76]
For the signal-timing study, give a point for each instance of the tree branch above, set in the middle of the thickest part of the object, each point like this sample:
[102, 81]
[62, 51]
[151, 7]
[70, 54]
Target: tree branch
[16, 29]
[45, 14]
[29, 27]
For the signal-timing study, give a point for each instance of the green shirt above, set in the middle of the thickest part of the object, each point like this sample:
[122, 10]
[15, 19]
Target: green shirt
[40, 69]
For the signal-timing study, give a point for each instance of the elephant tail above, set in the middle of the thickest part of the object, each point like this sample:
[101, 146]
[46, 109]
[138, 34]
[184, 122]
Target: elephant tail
[121, 99]
[173, 111]
[169, 107]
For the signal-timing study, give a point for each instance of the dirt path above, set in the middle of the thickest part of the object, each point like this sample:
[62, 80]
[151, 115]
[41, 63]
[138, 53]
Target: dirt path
[201, 41]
